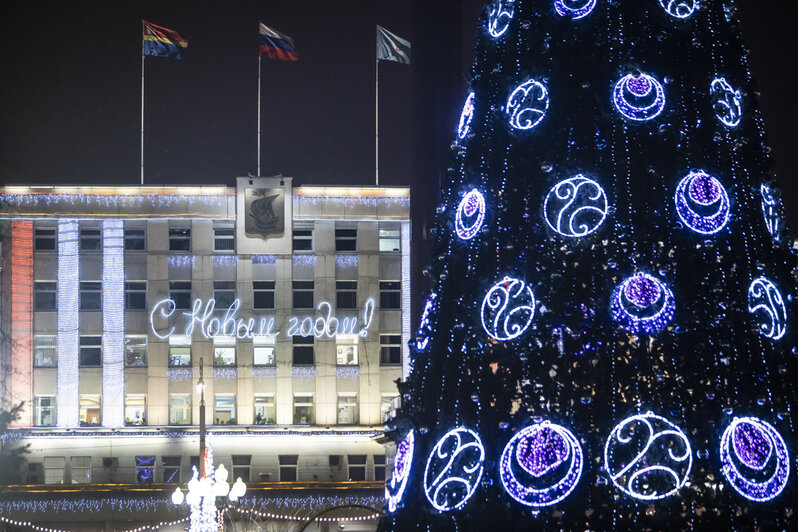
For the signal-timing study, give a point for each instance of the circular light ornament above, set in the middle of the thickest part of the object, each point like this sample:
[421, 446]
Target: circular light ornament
[466, 116]
[395, 488]
[527, 105]
[454, 469]
[771, 210]
[424, 331]
[648, 457]
[642, 304]
[575, 9]
[508, 309]
[726, 102]
[470, 215]
[501, 13]
[767, 306]
[754, 459]
[575, 207]
[541, 465]
[681, 9]
[639, 97]
[702, 203]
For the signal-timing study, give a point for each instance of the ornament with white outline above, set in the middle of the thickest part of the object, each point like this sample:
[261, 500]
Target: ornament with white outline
[501, 13]
[454, 469]
[767, 306]
[639, 97]
[726, 102]
[771, 210]
[642, 304]
[648, 457]
[466, 116]
[541, 465]
[575, 9]
[470, 215]
[754, 459]
[424, 328]
[527, 105]
[575, 207]
[508, 309]
[403, 461]
[679, 8]
[702, 203]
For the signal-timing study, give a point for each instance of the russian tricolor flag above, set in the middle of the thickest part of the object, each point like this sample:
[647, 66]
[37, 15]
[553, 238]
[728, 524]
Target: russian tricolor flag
[276, 45]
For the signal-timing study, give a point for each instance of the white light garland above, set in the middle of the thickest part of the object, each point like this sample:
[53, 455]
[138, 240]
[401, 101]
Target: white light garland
[113, 341]
[68, 292]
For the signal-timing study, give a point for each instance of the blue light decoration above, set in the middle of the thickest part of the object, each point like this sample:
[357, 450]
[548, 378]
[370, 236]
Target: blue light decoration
[501, 13]
[726, 102]
[466, 116]
[454, 469]
[575, 207]
[639, 97]
[395, 488]
[470, 215]
[767, 306]
[648, 457]
[754, 459]
[527, 105]
[771, 210]
[541, 465]
[575, 9]
[679, 8]
[508, 309]
[702, 203]
[424, 327]
[642, 304]
[67, 378]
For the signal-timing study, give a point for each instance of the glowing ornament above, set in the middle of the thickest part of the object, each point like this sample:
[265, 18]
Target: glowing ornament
[454, 468]
[575, 9]
[702, 203]
[470, 215]
[642, 304]
[424, 327]
[575, 207]
[541, 465]
[403, 460]
[466, 116]
[771, 210]
[508, 309]
[767, 305]
[679, 8]
[639, 97]
[754, 459]
[648, 457]
[501, 13]
[527, 105]
[726, 102]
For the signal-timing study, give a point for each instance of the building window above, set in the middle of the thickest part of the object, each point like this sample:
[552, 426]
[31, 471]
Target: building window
[390, 295]
[135, 295]
[346, 350]
[224, 292]
[180, 293]
[54, 469]
[303, 409]
[264, 409]
[91, 296]
[180, 240]
[44, 295]
[263, 351]
[357, 466]
[303, 294]
[263, 292]
[89, 410]
[347, 409]
[179, 351]
[303, 240]
[379, 467]
[91, 351]
[390, 349]
[346, 240]
[224, 239]
[224, 351]
[135, 409]
[303, 350]
[241, 466]
[389, 240]
[224, 409]
[44, 240]
[288, 465]
[91, 240]
[179, 409]
[44, 351]
[346, 294]
[171, 469]
[135, 240]
[81, 469]
[386, 405]
[135, 351]
[145, 467]
[44, 412]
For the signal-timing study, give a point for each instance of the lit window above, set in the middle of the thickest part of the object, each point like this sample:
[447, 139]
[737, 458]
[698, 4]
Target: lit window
[224, 292]
[145, 467]
[81, 469]
[44, 351]
[386, 405]
[91, 296]
[91, 351]
[264, 409]
[303, 350]
[89, 410]
[224, 351]
[180, 293]
[54, 469]
[389, 240]
[171, 469]
[91, 240]
[224, 409]
[346, 351]
[303, 294]
[357, 466]
[288, 466]
[179, 351]
[346, 294]
[44, 414]
[263, 294]
[346, 240]
[135, 295]
[241, 464]
[390, 295]
[44, 295]
[135, 351]
[179, 239]
[303, 240]
[44, 240]
[263, 351]
[303, 409]
[135, 409]
[390, 349]
[347, 409]
[179, 409]
[224, 239]
[135, 240]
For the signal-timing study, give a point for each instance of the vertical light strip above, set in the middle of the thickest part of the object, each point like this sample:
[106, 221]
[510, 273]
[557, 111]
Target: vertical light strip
[405, 298]
[68, 398]
[21, 375]
[113, 403]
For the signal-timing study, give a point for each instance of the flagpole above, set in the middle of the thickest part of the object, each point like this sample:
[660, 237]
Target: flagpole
[142, 115]
[377, 124]
[259, 63]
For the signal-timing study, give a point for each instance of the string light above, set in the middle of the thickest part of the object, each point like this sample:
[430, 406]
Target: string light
[501, 13]
[502, 321]
[142, 528]
[727, 102]
[575, 207]
[680, 9]
[639, 97]
[403, 461]
[471, 211]
[113, 341]
[454, 469]
[642, 304]
[466, 116]
[21, 384]
[527, 105]
[702, 203]
[575, 9]
[767, 305]
[68, 396]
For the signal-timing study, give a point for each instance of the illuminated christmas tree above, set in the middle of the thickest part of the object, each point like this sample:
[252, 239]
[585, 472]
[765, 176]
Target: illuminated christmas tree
[608, 342]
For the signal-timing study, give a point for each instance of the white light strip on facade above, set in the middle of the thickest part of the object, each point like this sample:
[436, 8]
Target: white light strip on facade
[113, 401]
[68, 398]
[405, 299]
